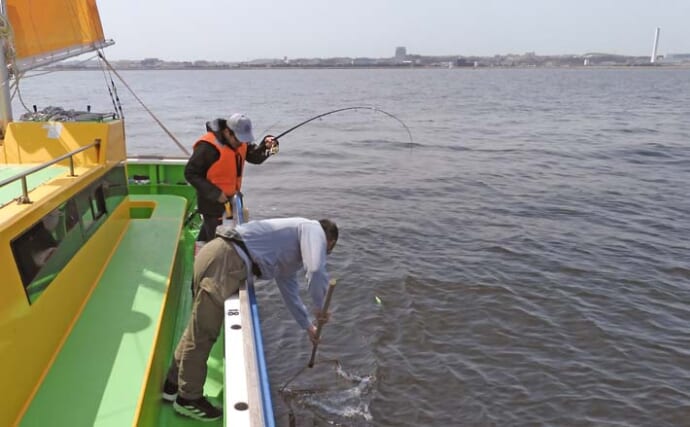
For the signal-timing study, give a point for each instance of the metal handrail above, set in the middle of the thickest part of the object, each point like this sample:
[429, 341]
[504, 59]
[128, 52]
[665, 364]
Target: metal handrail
[25, 193]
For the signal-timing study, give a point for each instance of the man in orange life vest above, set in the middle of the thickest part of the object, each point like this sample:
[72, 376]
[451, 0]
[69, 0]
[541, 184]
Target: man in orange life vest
[216, 166]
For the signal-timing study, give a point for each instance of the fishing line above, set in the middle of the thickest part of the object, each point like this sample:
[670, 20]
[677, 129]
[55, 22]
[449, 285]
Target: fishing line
[346, 109]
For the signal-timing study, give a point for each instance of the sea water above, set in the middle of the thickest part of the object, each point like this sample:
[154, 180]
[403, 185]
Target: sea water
[529, 249]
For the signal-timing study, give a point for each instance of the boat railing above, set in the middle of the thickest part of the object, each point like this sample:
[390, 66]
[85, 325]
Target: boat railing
[24, 199]
[156, 159]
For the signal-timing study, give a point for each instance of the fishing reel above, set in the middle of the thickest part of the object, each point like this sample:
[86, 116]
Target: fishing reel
[273, 149]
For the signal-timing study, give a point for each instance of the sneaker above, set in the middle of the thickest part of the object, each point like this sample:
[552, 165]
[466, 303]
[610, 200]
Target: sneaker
[169, 391]
[199, 409]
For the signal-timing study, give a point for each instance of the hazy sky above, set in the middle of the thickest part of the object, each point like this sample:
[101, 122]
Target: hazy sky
[238, 30]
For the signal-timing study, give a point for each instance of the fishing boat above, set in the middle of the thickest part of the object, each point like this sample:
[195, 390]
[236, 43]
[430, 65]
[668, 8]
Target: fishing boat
[96, 254]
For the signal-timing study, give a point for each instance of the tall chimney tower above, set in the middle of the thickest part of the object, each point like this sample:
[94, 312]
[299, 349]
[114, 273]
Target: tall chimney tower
[656, 45]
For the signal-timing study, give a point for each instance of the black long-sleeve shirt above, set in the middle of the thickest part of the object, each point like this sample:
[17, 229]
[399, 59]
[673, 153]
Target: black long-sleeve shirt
[205, 155]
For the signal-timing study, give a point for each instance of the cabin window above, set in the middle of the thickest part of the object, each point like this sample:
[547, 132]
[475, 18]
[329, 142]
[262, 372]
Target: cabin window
[115, 187]
[39, 252]
[43, 250]
[92, 207]
[87, 204]
[98, 202]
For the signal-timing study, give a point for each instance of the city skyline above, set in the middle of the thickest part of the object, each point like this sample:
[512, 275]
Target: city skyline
[401, 59]
[217, 31]
[400, 54]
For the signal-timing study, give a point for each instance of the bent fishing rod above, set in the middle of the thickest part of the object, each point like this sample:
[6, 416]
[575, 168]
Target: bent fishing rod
[346, 109]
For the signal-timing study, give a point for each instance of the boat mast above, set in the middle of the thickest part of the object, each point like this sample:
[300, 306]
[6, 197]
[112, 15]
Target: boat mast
[5, 100]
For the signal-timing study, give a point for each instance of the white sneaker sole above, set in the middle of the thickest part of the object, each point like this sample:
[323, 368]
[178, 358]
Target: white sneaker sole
[169, 397]
[193, 413]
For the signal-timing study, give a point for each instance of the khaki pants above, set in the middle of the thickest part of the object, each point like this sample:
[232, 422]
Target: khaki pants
[218, 273]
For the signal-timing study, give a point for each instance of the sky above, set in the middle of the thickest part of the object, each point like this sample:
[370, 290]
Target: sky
[242, 30]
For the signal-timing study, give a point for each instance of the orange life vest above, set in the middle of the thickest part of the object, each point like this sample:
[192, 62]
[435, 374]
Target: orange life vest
[226, 172]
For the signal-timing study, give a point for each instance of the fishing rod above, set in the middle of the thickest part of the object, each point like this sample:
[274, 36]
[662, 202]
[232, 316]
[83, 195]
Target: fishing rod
[165, 129]
[346, 109]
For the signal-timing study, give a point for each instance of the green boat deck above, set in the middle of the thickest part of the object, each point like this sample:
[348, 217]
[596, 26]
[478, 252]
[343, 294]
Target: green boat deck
[140, 304]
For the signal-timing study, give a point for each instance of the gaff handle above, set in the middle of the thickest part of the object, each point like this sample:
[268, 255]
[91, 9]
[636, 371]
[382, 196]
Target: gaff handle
[319, 324]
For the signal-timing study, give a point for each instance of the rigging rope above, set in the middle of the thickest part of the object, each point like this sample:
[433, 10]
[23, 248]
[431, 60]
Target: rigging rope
[179, 145]
[116, 104]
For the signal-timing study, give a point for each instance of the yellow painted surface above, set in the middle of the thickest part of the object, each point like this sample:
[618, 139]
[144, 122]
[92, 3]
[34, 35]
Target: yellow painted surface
[30, 335]
[39, 329]
[38, 142]
[45, 198]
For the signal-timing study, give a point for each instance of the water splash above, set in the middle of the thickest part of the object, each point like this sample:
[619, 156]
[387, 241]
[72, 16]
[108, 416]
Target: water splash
[343, 404]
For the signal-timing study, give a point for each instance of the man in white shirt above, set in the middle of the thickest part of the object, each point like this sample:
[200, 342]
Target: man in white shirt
[268, 249]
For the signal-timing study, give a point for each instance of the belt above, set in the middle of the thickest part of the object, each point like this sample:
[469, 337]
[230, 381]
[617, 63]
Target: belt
[239, 242]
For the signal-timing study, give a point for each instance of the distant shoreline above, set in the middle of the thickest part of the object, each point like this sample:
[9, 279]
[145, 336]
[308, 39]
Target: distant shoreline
[401, 61]
[463, 68]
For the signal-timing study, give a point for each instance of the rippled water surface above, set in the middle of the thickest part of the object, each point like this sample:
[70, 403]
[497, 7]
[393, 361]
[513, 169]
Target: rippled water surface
[529, 249]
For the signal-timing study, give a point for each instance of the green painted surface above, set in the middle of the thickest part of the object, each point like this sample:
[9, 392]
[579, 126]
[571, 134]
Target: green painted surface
[214, 382]
[213, 389]
[13, 190]
[97, 377]
[169, 179]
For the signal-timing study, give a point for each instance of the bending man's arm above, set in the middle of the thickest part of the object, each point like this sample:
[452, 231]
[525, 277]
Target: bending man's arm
[313, 248]
[289, 290]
